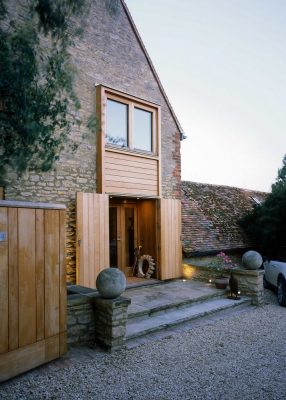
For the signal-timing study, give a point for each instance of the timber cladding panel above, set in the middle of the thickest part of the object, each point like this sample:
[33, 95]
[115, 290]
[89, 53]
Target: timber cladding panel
[32, 287]
[170, 239]
[125, 173]
[92, 237]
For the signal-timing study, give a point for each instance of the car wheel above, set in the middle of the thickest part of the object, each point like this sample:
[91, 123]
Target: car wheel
[281, 292]
[265, 283]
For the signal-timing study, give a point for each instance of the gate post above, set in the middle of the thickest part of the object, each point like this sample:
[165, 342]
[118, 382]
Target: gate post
[110, 322]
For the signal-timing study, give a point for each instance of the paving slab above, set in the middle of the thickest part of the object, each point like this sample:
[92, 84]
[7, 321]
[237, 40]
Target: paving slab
[170, 293]
[135, 328]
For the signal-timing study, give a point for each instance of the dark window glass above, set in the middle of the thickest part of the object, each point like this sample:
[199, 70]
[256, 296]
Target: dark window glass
[116, 123]
[142, 132]
[129, 235]
[113, 249]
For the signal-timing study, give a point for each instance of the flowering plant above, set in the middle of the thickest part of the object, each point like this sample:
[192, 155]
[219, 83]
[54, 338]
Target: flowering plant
[223, 263]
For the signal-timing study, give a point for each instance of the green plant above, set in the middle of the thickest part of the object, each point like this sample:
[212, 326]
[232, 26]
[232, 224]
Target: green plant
[223, 263]
[265, 224]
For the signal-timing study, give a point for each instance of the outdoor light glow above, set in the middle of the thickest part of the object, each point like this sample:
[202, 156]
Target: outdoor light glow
[210, 281]
[184, 280]
[238, 292]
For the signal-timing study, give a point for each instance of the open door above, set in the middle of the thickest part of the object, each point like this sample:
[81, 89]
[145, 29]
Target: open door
[92, 236]
[169, 212]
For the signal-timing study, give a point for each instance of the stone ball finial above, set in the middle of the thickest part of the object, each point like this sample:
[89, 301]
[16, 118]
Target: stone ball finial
[252, 260]
[110, 283]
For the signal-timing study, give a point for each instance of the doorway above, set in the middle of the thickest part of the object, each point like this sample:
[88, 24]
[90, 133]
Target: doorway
[132, 223]
[123, 235]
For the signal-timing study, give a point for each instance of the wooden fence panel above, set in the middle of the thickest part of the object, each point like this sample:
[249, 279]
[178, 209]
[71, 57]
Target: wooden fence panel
[170, 238]
[27, 276]
[92, 236]
[13, 279]
[4, 279]
[32, 286]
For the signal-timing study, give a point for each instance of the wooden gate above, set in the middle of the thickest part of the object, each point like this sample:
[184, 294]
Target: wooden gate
[170, 238]
[92, 236]
[32, 286]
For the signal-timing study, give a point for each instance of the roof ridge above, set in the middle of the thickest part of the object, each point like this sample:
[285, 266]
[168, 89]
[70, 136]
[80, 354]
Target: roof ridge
[224, 186]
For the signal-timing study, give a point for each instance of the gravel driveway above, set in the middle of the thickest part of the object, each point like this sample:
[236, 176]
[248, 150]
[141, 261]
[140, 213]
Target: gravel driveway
[242, 357]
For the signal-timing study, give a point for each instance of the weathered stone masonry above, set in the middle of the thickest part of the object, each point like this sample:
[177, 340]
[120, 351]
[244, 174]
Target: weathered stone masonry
[110, 54]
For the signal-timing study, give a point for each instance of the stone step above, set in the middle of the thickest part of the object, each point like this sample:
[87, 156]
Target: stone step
[168, 306]
[136, 327]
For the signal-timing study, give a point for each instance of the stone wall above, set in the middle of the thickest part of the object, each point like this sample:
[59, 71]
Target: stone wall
[199, 273]
[80, 320]
[110, 322]
[110, 54]
[250, 282]
[92, 319]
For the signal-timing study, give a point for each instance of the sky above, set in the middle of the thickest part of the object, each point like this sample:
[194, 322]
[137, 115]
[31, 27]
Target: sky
[222, 64]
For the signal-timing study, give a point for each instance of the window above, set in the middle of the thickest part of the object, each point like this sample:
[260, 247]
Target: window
[142, 129]
[130, 123]
[117, 123]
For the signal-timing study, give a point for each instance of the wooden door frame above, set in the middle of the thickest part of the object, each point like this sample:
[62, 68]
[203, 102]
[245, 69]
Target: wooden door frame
[121, 243]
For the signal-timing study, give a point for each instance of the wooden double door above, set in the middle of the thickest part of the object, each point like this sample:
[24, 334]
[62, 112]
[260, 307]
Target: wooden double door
[132, 223]
[109, 228]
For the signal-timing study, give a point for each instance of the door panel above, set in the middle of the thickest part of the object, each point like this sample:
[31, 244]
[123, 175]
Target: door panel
[170, 238]
[147, 229]
[92, 237]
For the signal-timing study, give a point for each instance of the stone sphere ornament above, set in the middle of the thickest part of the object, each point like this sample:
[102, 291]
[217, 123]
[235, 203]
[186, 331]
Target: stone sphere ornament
[110, 283]
[252, 260]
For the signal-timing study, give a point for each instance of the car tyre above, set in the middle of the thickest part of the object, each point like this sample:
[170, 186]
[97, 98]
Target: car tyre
[281, 292]
[265, 283]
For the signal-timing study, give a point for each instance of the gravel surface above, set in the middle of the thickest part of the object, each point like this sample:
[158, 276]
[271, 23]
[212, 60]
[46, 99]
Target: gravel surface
[239, 357]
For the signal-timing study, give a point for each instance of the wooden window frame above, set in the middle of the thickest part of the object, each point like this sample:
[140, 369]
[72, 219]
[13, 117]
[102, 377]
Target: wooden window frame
[104, 94]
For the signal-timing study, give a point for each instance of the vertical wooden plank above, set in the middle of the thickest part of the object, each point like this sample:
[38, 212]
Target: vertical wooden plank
[63, 343]
[52, 290]
[79, 235]
[106, 230]
[52, 348]
[159, 165]
[85, 242]
[170, 213]
[91, 241]
[4, 281]
[63, 290]
[27, 276]
[97, 233]
[13, 279]
[100, 137]
[40, 273]
[93, 227]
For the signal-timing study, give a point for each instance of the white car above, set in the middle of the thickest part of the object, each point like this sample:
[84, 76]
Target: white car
[275, 277]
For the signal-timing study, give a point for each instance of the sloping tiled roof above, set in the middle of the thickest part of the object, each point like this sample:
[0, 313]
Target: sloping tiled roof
[210, 214]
